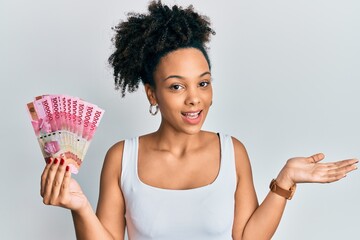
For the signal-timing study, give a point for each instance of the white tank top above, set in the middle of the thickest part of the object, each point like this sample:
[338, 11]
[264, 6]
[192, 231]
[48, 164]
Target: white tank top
[163, 214]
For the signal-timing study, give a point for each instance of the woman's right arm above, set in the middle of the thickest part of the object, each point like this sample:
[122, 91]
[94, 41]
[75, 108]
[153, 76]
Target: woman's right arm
[59, 189]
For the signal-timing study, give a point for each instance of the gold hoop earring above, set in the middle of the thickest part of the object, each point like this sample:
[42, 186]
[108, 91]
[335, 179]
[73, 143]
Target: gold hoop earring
[151, 109]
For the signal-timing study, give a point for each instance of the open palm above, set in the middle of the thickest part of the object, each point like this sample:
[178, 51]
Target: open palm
[310, 169]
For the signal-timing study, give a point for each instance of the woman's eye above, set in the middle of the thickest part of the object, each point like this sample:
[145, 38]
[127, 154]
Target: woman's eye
[176, 87]
[204, 84]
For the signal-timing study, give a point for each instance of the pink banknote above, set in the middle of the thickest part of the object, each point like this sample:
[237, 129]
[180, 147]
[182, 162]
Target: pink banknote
[64, 126]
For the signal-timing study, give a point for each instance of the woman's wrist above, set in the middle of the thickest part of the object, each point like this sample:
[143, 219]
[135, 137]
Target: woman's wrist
[284, 180]
[83, 211]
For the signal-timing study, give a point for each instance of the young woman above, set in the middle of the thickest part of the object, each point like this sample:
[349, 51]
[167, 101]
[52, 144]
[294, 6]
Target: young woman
[179, 182]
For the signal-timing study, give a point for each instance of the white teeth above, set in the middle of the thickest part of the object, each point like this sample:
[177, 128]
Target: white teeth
[192, 115]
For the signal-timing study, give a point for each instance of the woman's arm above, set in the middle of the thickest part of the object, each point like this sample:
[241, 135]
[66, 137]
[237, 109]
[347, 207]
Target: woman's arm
[263, 221]
[59, 189]
[111, 204]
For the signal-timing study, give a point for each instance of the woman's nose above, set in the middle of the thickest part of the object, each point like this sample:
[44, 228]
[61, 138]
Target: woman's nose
[192, 97]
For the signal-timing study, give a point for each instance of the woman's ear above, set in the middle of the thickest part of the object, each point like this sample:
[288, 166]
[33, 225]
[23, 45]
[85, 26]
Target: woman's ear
[150, 93]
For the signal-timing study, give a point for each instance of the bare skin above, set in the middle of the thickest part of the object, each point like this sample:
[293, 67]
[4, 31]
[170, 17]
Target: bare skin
[184, 94]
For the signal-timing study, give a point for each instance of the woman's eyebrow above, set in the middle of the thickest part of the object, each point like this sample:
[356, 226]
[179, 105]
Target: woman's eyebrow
[205, 73]
[181, 77]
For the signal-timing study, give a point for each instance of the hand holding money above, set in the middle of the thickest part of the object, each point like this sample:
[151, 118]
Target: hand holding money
[59, 189]
[64, 127]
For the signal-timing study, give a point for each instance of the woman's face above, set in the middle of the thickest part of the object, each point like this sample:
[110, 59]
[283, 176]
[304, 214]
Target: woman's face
[183, 90]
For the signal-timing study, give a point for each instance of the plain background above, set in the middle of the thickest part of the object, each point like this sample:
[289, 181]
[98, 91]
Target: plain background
[286, 83]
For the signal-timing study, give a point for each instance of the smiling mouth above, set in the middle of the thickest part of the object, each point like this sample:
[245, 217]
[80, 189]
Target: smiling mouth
[191, 115]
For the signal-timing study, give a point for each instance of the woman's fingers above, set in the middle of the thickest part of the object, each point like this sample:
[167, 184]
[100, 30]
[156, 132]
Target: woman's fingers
[316, 158]
[49, 181]
[65, 186]
[44, 176]
[335, 171]
[345, 163]
[55, 182]
[343, 167]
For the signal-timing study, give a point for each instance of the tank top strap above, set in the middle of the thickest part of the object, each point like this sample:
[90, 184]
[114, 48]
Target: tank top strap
[129, 161]
[227, 172]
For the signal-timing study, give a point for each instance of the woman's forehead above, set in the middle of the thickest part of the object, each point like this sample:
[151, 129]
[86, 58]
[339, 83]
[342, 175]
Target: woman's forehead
[182, 62]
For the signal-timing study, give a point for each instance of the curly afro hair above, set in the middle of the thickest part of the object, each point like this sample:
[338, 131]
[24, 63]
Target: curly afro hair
[143, 39]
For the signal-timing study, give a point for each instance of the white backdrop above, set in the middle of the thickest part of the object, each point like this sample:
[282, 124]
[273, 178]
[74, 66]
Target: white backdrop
[286, 83]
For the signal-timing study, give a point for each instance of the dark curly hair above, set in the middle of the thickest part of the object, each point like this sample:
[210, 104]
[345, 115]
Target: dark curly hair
[143, 39]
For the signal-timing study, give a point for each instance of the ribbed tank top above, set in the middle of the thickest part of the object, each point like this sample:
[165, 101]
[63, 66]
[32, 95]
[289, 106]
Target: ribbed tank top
[163, 214]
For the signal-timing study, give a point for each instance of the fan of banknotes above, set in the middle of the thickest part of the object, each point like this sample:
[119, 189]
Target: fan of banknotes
[64, 127]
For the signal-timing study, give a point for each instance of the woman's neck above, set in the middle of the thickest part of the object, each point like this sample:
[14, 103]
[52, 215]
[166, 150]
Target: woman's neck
[178, 143]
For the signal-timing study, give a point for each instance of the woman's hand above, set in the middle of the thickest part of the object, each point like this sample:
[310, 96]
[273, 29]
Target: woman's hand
[58, 188]
[310, 170]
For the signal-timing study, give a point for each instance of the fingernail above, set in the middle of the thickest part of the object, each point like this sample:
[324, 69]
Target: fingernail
[56, 161]
[67, 168]
[48, 161]
[62, 162]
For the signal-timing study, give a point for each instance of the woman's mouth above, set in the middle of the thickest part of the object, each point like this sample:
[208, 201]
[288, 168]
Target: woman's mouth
[192, 118]
[191, 115]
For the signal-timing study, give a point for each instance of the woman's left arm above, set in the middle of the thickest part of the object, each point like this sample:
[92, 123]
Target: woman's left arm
[264, 220]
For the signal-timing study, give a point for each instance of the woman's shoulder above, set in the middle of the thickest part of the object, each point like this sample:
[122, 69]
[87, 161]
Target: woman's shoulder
[113, 158]
[115, 152]
[242, 161]
[238, 144]
[116, 149]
